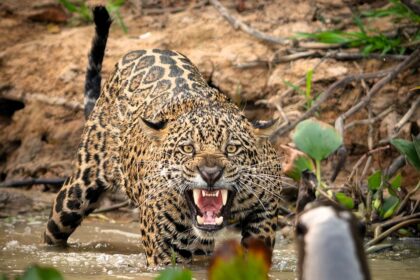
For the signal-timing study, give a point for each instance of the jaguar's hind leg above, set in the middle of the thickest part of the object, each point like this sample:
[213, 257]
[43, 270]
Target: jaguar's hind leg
[96, 171]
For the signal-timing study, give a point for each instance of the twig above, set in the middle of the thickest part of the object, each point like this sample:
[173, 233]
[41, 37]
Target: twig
[31, 182]
[412, 6]
[406, 198]
[396, 220]
[408, 62]
[356, 166]
[373, 120]
[407, 115]
[237, 24]
[387, 75]
[317, 54]
[397, 164]
[112, 207]
[386, 233]
[325, 95]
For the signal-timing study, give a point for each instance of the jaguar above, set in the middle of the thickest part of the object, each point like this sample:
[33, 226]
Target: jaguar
[186, 156]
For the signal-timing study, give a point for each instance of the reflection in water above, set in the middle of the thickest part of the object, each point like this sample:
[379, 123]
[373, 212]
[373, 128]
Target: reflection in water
[104, 250]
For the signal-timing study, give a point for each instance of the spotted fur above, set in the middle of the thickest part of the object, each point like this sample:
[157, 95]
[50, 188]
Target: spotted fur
[154, 104]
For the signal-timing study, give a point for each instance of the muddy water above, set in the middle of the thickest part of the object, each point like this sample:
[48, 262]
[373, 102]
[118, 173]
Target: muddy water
[106, 250]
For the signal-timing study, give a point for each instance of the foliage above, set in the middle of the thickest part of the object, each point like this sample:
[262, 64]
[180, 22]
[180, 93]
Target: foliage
[307, 93]
[358, 39]
[175, 273]
[299, 164]
[82, 10]
[318, 140]
[396, 9]
[411, 150]
[230, 261]
[36, 272]
[345, 200]
[377, 185]
[372, 40]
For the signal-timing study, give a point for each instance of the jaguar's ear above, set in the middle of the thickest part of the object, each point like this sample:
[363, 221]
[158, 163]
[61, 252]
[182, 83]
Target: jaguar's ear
[264, 129]
[154, 130]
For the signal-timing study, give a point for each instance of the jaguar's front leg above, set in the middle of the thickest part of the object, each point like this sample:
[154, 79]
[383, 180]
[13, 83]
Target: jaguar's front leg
[166, 232]
[262, 225]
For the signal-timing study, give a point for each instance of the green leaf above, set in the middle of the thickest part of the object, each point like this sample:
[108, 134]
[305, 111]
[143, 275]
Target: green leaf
[396, 182]
[68, 5]
[294, 87]
[239, 268]
[328, 37]
[376, 204]
[345, 200]
[408, 150]
[316, 139]
[300, 164]
[175, 273]
[308, 96]
[389, 206]
[416, 143]
[374, 181]
[36, 272]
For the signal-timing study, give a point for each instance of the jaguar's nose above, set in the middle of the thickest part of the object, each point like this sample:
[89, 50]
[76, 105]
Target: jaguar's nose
[210, 174]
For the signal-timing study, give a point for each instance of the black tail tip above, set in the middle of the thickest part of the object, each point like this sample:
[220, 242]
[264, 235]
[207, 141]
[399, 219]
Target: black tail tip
[101, 16]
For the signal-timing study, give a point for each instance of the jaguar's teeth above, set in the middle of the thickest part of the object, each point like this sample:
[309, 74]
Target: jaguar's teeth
[210, 193]
[196, 195]
[219, 220]
[224, 196]
[200, 219]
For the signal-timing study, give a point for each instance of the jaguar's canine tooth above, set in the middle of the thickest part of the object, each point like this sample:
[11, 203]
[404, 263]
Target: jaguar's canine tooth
[219, 220]
[196, 195]
[224, 196]
[200, 219]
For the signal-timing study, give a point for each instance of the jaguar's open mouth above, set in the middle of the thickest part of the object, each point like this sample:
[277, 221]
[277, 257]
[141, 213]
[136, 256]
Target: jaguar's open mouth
[210, 209]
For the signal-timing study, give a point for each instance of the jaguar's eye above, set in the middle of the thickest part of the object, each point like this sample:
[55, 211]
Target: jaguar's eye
[188, 149]
[231, 149]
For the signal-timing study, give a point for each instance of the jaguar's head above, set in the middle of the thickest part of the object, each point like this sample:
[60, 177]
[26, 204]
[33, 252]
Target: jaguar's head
[212, 155]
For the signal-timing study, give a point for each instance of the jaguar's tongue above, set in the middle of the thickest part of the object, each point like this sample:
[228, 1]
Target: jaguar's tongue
[209, 203]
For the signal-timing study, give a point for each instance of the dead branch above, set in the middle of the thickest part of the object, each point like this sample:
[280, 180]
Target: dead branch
[238, 24]
[395, 220]
[386, 233]
[387, 75]
[412, 6]
[319, 54]
[369, 153]
[30, 182]
[407, 63]
[26, 97]
[325, 95]
[373, 120]
[407, 115]
[406, 198]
